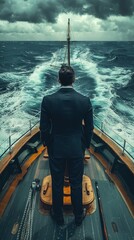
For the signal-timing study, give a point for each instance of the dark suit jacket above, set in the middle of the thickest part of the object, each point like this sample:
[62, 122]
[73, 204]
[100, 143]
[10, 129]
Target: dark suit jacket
[61, 119]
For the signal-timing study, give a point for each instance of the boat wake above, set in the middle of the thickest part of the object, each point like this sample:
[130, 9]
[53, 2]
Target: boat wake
[109, 86]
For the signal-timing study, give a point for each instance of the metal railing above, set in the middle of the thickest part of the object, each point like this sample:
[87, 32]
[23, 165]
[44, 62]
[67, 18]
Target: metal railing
[104, 127]
[8, 143]
[124, 145]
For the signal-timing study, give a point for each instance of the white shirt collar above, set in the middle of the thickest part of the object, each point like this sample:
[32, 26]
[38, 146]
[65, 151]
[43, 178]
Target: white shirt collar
[66, 87]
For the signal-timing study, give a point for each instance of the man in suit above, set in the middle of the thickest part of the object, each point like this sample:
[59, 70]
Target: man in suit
[62, 114]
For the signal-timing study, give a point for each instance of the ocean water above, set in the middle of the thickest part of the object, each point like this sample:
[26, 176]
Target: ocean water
[104, 72]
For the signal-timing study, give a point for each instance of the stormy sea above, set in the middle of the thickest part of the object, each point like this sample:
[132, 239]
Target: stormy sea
[104, 72]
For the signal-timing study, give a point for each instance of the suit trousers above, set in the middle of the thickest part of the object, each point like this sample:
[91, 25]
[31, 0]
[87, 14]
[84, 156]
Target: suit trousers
[75, 169]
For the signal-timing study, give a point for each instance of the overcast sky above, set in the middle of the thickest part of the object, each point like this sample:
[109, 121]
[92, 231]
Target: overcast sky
[47, 19]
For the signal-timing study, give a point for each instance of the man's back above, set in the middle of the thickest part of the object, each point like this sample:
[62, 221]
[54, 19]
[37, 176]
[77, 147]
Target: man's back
[66, 109]
[62, 114]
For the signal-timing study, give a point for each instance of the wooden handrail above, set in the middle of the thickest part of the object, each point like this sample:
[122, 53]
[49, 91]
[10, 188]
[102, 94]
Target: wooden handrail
[123, 157]
[5, 161]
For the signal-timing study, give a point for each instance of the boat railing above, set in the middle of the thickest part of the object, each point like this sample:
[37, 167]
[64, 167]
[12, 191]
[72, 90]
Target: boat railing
[104, 126]
[7, 144]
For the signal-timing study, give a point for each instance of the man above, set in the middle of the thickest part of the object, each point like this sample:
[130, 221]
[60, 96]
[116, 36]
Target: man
[62, 114]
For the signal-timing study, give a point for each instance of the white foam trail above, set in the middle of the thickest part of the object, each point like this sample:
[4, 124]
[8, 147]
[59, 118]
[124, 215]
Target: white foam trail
[10, 76]
[99, 57]
[39, 71]
[90, 67]
[112, 59]
[42, 58]
[106, 80]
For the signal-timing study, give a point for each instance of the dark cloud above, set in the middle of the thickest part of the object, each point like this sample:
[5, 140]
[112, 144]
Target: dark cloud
[105, 8]
[48, 10]
[124, 7]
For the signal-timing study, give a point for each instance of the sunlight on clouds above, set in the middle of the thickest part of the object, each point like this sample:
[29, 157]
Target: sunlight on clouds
[79, 23]
[83, 27]
[16, 27]
[24, 27]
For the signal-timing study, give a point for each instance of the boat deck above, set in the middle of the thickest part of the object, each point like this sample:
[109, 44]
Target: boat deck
[119, 222]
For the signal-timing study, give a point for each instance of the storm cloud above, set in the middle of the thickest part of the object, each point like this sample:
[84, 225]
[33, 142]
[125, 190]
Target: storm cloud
[46, 19]
[37, 11]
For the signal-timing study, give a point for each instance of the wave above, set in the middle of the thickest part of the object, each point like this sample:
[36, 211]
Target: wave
[130, 83]
[112, 59]
[108, 83]
[105, 82]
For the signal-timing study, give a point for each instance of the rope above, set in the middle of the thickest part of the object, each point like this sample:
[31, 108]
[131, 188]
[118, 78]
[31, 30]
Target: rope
[26, 225]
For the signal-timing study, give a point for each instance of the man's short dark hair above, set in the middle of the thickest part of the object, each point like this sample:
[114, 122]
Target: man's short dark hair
[66, 75]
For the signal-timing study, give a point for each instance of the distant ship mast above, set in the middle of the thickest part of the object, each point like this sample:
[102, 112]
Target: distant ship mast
[68, 42]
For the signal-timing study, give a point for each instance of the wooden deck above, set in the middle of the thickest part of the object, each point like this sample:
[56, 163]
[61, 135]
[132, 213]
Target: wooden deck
[115, 201]
[116, 181]
[4, 202]
[118, 220]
